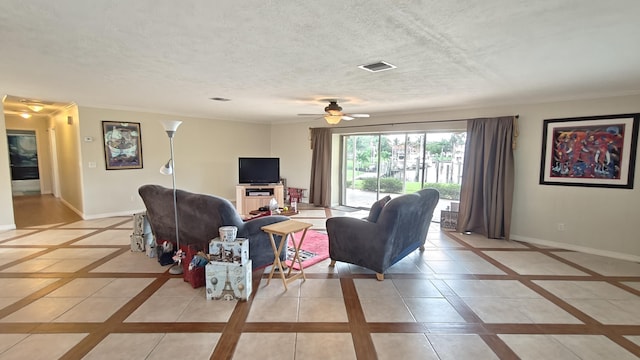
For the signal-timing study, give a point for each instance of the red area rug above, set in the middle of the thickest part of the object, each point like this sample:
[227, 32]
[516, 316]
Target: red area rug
[315, 248]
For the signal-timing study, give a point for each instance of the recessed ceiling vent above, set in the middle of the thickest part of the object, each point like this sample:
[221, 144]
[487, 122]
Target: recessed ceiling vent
[377, 67]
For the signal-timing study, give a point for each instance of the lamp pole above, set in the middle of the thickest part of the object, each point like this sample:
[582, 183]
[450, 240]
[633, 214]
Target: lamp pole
[171, 127]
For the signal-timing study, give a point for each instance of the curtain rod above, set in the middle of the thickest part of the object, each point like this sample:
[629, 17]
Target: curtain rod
[517, 116]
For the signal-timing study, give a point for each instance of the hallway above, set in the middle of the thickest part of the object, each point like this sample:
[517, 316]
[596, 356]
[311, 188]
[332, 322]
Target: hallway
[34, 210]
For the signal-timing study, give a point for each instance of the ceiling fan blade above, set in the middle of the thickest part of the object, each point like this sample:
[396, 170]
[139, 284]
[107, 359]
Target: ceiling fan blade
[359, 115]
[347, 117]
[311, 114]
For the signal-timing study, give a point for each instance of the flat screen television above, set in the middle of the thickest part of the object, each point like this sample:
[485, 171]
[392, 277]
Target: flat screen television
[253, 170]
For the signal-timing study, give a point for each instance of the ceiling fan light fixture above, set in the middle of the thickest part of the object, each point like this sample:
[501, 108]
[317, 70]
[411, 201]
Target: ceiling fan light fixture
[333, 119]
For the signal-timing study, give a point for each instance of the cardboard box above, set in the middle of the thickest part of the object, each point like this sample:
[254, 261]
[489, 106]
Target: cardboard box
[236, 252]
[228, 281]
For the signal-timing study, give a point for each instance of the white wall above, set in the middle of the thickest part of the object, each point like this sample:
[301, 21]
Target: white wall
[6, 210]
[206, 158]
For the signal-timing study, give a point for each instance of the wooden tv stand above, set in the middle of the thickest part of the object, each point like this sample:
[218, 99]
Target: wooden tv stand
[252, 197]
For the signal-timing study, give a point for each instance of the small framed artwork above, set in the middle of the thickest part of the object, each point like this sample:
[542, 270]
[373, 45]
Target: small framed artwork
[122, 145]
[595, 151]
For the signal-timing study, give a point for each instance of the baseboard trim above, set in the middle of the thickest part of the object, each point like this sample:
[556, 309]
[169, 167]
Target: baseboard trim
[7, 227]
[579, 248]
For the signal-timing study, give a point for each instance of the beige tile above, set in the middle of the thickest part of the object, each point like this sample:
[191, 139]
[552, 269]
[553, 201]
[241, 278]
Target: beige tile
[274, 309]
[124, 287]
[372, 288]
[49, 237]
[77, 253]
[603, 265]
[321, 288]
[185, 346]
[93, 309]
[491, 288]
[584, 289]
[455, 347]
[132, 262]
[4, 235]
[270, 346]
[15, 287]
[416, 288]
[107, 237]
[33, 265]
[621, 312]
[95, 223]
[81, 287]
[176, 287]
[635, 285]
[42, 346]
[200, 309]
[518, 311]
[42, 310]
[69, 266]
[480, 241]
[536, 347]
[323, 346]
[404, 266]
[9, 340]
[385, 309]
[402, 346]
[432, 310]
[322, 310]
[594, 347]
[321, 268]
[276, 288]
[8, 255]
[311, 213]
[125, 346]
[448, 267]
[160, 309]
[533, 263]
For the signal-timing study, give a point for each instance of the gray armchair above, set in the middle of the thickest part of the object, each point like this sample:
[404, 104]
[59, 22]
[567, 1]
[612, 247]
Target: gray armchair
[400, 229]
[199, 218]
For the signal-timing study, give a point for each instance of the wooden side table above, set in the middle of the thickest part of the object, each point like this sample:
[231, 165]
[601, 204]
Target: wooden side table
[286, 229]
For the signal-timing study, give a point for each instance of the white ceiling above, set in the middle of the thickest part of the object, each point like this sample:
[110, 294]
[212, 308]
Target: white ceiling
[275, 59]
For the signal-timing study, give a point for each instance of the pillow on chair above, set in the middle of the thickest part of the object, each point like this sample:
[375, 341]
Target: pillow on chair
[376, 208]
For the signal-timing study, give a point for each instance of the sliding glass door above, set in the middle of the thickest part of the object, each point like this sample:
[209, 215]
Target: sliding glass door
[376, 165]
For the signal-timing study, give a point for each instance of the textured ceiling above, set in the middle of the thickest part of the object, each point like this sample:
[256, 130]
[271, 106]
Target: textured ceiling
[275, 59]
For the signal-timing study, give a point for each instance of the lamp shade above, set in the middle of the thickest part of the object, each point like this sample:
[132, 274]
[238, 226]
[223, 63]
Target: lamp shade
[167, 169]
[171, 125]
[333, 119]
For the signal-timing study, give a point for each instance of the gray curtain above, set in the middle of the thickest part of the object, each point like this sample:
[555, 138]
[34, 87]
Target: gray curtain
[486, 194]
[319, 190]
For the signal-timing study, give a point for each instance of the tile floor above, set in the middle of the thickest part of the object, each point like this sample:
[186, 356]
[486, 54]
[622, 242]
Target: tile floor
[76, 291]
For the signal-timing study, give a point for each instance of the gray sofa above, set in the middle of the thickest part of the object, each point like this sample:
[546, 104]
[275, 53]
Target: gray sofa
[200, 216]
[401, 227]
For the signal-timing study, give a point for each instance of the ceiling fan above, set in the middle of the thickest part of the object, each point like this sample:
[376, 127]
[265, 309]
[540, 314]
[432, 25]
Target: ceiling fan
[333, 113]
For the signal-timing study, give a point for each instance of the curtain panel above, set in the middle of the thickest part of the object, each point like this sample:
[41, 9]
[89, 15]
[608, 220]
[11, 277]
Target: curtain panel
[319, 189]
[486, 194]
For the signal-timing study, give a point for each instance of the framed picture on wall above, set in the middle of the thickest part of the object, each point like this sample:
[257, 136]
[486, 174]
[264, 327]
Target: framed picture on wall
[596, 151]
[122, 145]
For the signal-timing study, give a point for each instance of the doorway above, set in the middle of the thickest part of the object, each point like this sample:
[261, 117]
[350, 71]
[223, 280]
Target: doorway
[23, 154]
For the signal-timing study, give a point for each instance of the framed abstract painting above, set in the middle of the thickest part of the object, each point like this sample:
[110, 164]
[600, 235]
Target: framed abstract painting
[595, 151]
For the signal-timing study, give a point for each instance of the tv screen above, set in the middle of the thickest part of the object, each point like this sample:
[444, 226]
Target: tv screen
[258, 170]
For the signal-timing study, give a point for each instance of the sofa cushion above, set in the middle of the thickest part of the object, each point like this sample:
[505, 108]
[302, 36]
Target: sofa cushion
[376, 208]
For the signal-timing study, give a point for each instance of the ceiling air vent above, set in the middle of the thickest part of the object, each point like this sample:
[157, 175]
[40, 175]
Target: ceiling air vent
[377, 67]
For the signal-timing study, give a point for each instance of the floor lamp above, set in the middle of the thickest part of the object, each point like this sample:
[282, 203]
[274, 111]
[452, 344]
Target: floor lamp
[170, 126]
